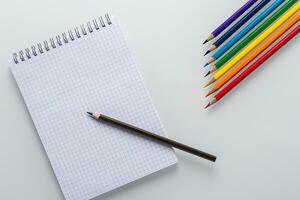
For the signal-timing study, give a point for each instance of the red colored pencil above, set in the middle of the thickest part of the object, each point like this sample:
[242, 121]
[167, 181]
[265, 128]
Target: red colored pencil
[254, 66]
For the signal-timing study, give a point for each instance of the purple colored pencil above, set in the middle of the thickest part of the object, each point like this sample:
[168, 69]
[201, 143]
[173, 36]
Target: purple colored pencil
[231, 19]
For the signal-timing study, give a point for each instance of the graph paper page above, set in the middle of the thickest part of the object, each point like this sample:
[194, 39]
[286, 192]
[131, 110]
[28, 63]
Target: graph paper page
[95, 72]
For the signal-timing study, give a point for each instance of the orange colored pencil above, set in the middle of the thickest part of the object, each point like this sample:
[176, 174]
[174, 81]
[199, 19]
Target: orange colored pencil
[284, 28]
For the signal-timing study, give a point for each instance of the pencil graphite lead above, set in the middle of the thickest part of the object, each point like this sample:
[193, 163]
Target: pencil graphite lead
[212, 70]
[89, 113]
[207, 105]
[208, 73]
[205, 41]
[206, 64]
[213, 101]
[207, 52]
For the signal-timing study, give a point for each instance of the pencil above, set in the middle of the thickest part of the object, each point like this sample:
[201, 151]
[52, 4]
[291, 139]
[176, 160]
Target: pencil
[154, 137]
[251, 36]
[245, 31]
[229, 21]
[236, 26]
[256, 41]
[254, 66]
[223, 80]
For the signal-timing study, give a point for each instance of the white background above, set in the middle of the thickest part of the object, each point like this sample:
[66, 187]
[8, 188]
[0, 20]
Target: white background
[254, 130]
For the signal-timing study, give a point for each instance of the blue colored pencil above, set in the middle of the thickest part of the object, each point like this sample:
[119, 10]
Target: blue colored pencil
[245, 30]
[240, 23]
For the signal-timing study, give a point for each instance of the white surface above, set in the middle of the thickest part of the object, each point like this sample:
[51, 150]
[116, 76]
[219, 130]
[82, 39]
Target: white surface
[257, 150]
[95, 72]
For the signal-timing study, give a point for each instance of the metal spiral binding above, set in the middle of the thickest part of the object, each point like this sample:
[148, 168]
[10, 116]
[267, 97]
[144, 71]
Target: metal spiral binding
[64, 38]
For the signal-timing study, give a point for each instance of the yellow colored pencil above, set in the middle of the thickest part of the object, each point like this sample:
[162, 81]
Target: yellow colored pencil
[256, 41]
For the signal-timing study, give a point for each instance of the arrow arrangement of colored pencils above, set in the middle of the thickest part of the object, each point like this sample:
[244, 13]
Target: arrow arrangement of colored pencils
[253, 38]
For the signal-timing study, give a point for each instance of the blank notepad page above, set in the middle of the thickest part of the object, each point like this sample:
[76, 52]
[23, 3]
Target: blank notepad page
[93, 71]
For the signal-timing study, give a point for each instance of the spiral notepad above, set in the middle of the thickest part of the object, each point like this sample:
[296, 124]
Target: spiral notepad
[90, 68]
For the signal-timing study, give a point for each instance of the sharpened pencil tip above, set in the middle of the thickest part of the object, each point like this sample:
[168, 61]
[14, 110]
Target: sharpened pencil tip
[205, 41]
[211, 92]
[208, 73]
[209, 82]
[212, 59]
[207, 52]
[89, 113]
[205, 65]
[207, 105]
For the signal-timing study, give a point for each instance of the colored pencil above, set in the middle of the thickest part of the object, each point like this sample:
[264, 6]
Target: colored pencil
[245, 30]
[223, 80]
[252, 35]
[229, 21]
[236, 26]
[256, 41]
[154, 137]
[254, 66]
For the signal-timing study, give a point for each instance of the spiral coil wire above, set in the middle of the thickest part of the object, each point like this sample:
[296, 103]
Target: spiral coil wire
[64, 38]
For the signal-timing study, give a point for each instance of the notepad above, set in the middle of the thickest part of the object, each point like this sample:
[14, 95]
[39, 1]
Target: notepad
[90, 68]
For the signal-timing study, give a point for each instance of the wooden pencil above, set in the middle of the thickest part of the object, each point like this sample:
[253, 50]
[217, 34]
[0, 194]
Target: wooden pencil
[254, 66]
[154, 137]
[269, 41]
[229, 21]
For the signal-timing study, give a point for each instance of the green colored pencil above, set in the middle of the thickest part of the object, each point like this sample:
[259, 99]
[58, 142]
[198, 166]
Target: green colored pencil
[252, 35]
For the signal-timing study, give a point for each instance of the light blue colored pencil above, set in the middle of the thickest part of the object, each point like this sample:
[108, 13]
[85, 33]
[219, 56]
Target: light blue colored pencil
[245, 30]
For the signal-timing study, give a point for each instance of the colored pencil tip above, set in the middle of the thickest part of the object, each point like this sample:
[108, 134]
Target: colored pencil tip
[211, 92]
[207, 105]
[208, 73]
[205, 65]
[89, 113]
[213, 101]
[212, 59]
[209, 82]
[213, 69]
[205, 41]
[207, 52]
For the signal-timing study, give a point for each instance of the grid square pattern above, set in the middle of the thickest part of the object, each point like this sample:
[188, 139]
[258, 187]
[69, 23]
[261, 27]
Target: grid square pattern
[93, 73]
